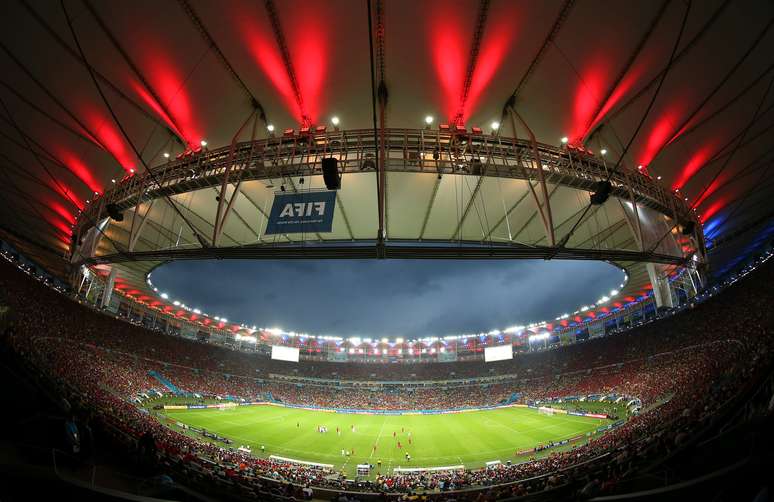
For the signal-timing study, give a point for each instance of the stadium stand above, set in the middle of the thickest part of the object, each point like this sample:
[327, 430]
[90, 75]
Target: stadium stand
[700, 362]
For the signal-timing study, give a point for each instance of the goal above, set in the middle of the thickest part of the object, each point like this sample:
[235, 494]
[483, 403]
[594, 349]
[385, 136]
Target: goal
[545, 410]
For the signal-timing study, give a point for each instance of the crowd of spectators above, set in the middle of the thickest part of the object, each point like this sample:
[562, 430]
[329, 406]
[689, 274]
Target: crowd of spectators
[698, 360]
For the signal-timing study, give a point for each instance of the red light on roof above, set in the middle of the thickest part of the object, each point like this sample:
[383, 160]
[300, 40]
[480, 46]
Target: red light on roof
[476, 130]
[304, 130]
[320, 129]
[289, 132]
[460, 128]
[443, 127]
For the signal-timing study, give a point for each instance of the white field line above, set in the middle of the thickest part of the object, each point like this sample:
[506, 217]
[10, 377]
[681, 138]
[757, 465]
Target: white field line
[384, 421]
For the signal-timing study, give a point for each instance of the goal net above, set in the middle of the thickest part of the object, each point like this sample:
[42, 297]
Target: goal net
[545, 410]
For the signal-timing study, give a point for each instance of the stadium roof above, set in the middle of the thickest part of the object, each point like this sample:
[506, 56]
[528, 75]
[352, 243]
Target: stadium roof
[179, 73]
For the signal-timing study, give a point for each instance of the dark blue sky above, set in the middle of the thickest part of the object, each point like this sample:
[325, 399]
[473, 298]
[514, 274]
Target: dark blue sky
[387, 297]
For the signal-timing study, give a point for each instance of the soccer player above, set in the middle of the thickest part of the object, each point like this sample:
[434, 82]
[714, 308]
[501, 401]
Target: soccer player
[394, 433]
[409, 440]
[263, 448]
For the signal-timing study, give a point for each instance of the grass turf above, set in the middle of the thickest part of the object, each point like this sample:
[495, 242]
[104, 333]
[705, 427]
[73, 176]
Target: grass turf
[470, 439]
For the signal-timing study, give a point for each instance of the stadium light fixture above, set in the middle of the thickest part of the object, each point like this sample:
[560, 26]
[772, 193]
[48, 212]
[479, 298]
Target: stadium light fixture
[165, 296]
[270, 127]
[429, 119]
[495, 125]
[335, 120]
[176, 303]
[203, 143]
[399, 340]
[603, 151]
[166, 155]
[614, 292]
[565, 140]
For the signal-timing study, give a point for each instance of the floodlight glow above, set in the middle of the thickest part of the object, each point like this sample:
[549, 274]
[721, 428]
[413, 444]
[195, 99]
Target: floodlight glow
[354, 340]
[539, 337]
[614, 292]
[176, 303]
[270, 127]
[335, 120]
[495, 125]
[164, 296]
[399, 340]
[166, 155]
[203, 143]
[429, 119]
[603, 151]
[565, 140]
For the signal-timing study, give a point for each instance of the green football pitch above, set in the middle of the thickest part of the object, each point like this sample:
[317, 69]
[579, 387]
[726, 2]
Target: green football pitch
[470, 439]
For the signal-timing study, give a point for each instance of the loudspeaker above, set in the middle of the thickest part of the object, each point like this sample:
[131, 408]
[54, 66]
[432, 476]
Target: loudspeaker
[601, 192]
[113, 212]
[689, 227]
[330, 169]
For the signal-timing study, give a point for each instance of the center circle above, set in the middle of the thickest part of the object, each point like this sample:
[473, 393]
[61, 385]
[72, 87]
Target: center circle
[410, 298]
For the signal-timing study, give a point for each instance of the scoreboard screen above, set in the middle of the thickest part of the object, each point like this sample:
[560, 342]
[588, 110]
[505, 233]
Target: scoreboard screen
[282, 353]
[498, 353]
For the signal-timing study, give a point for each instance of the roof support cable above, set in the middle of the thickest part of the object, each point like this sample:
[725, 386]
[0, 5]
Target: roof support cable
[629, 63]
[53, 178]
[150, 172]
[679, 56]
[196, 20]
[564, 13]
[475, 46]
[679, 129]
[563, 242]
[113, 87]
[380, 161]
[728, 159]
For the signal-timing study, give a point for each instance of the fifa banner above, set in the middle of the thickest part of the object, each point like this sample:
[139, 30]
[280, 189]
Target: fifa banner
[301, 212]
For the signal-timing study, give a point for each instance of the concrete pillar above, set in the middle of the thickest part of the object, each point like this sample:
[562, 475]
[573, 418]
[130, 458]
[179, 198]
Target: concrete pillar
[108, 291]
[661, 288]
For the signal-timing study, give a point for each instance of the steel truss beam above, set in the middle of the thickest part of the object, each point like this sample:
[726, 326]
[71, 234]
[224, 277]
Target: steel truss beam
[407, 151]
[473, 251]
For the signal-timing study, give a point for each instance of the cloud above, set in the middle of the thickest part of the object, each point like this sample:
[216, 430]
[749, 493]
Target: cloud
[387, 297]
